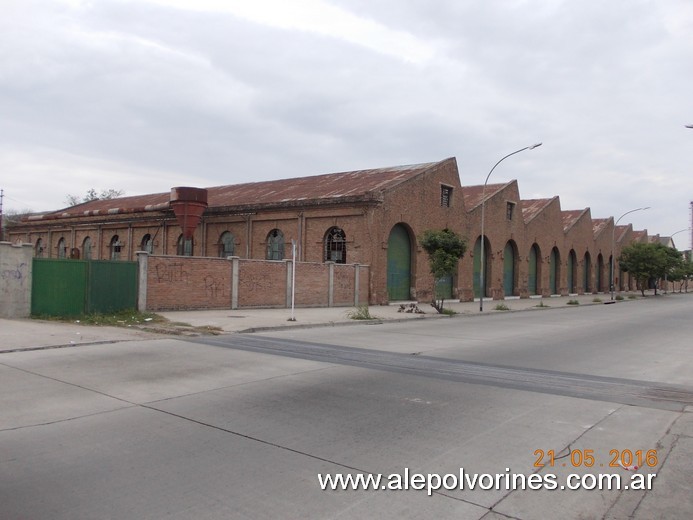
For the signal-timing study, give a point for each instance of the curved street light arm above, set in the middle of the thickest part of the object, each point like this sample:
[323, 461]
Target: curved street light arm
[482, 260]
[613, 243]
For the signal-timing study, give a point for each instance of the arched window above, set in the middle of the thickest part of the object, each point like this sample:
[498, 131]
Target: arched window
[184, 246]
[38, 251]
[115, 247]
[335, 246]
[275, 245]
[147, 244]
[86, 248]
[226, 245]
[62, 248]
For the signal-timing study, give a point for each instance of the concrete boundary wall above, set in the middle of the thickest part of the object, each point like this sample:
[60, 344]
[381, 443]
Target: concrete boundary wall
[15, 280]
[184, 283]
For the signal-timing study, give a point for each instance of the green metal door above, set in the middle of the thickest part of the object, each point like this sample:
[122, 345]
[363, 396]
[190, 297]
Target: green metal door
[444, 288]
[571, 267]
[398, 264]
[600, 273]
[532, 279]
[553, 274]
[112, 286]
[586, 273]
[58, 287]
[508, 269]
[477, 269]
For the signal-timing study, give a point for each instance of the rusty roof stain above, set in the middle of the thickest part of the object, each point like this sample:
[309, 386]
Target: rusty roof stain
[473, 195]
[570, 217]
[621, 231]
[532, 207]
[640, 235]
[354, 185]
[599, 224]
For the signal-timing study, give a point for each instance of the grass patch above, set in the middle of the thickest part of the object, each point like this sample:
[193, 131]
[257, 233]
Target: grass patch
[542, 305]
[448, 312]
[362, 312]
[597, 300]
[501, 307]
[632, 297]
[573, 302]
[124, 318]
[619, 297]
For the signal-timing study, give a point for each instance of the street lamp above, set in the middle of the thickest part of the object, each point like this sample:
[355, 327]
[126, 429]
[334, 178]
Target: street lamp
[482, 260]
[613, 238]
[689, 126]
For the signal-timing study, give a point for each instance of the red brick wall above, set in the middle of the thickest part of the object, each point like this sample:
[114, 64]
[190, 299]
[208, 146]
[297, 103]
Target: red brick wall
[312, 285]
[176, 283]
[343, 285]
[261, 283]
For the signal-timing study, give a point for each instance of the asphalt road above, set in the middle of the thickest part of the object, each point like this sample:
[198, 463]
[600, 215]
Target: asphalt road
[240, 426]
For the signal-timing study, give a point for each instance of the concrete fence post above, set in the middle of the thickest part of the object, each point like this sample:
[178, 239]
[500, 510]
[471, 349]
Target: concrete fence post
[357, 273]
[330, 284]
[143, 279]
[235, 262]
[289, 266]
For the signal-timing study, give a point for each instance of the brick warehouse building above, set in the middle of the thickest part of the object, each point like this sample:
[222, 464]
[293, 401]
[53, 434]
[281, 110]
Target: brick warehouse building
[369, 217]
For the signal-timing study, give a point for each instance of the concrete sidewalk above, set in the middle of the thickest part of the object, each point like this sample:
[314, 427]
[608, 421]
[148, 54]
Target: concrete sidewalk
[30, 334]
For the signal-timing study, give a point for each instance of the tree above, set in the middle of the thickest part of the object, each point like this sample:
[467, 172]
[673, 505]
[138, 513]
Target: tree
[444, 249]
[649, 261]
[92, 194]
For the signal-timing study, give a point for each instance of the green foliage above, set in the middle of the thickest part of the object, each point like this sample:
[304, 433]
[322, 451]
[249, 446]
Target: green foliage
[573, 302]
[92, 194]
[444, 249]
[619, 297]
[542, 305]
[448, 312]
[597, 300]
[362, 312]
[501, 307]
[647, 261]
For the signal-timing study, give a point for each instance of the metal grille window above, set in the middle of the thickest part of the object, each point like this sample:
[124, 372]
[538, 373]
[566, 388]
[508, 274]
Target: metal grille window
[39, 248]
[116, 247]
[335, 246]
[445, 196]
[184, 247]
[226, 245]
[509, 209]
[86, 248]
[62, 248]
[147, 244]
[275, 245]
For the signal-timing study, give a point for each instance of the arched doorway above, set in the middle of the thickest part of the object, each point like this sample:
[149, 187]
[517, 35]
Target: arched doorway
[398, 264]
[532, 279]
[509, 268]
[477, 267]
[587, 273]
[555, 271]
[600, 273]
[572, 272]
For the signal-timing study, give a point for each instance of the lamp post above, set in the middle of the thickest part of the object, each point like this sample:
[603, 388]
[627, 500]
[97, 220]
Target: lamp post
[689, 126]
[613, 239]
[482, 260]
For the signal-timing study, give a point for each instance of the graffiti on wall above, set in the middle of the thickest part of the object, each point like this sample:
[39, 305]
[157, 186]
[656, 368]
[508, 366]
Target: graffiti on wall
[172, 273]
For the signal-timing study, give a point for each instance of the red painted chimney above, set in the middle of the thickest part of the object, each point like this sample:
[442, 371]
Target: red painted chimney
[188, 204]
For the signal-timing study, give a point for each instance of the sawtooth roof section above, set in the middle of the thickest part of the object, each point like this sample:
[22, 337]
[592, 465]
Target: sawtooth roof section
[356, 185]
[473, 195]
[570, 217]
[532, 207]
[640, 236]
[621, 232]
[599, 225]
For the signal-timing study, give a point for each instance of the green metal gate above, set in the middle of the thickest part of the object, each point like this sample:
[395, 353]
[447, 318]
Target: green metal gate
[571, 272]
[532, 279]
[553, 275]
[398, 264]
[444, 287]
[508, 269]
[76, 287]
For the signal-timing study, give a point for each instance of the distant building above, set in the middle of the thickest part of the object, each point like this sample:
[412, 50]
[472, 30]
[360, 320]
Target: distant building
[369, 217]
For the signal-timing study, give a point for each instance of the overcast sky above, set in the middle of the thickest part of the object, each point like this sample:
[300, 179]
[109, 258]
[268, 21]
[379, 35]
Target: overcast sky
[145, 95]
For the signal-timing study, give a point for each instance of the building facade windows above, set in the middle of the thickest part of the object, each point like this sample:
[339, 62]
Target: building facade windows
[184, 246]
[445, 196]
[115, 247]
[275, 245]
[147, 244]
[509, 210]
[62, 248]
[335, 246]
[38, 250]
[86, 248]
[226, 245]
